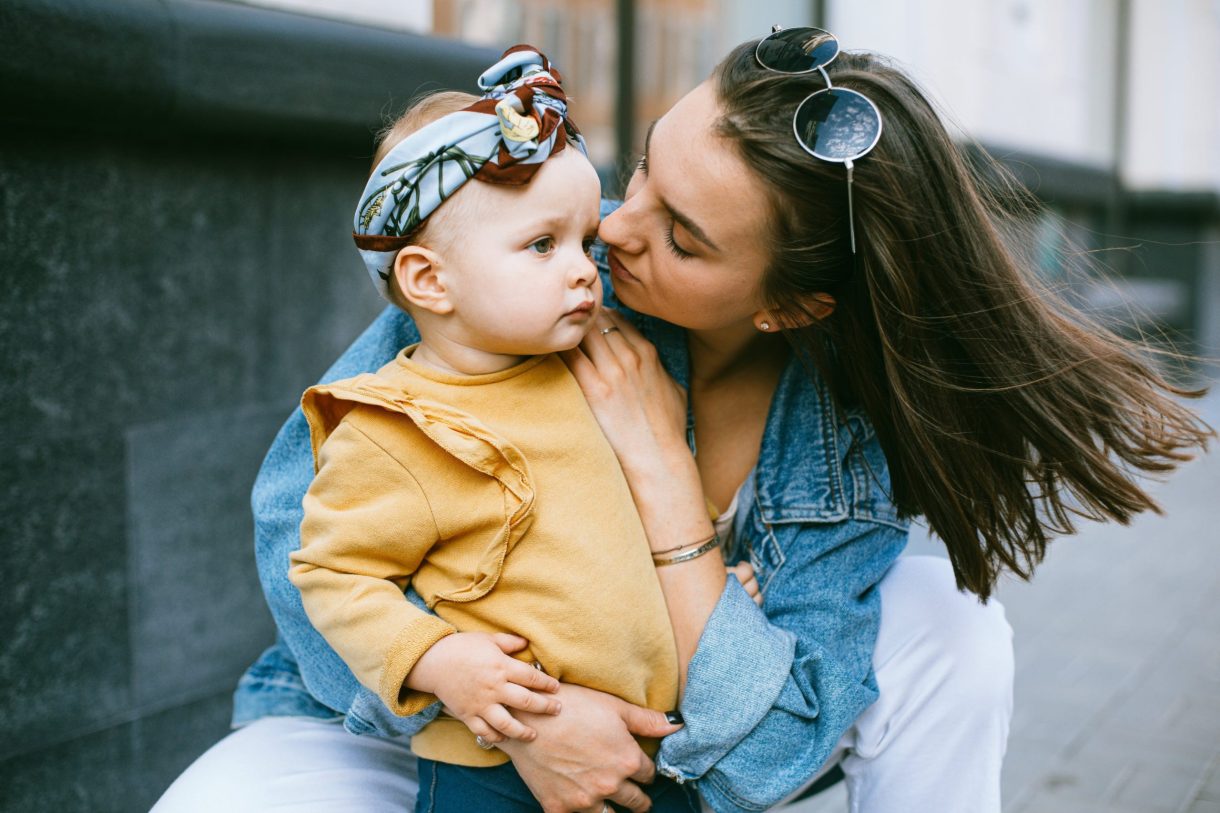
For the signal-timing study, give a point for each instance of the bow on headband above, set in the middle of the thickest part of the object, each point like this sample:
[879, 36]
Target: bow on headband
[502, 138]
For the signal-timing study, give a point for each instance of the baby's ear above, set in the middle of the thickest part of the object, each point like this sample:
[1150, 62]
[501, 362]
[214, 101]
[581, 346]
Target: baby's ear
[417, 274]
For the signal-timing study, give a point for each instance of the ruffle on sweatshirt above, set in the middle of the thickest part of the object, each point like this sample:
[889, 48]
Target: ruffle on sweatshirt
[458, 433]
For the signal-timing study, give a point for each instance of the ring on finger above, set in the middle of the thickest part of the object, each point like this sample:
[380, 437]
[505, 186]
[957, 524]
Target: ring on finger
[484, 744]
[604, 331]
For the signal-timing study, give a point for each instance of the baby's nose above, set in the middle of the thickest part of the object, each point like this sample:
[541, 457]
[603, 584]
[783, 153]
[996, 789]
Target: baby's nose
[583, 273]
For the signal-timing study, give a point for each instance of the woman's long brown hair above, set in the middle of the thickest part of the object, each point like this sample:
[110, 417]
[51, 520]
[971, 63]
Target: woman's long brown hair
[1003, 411]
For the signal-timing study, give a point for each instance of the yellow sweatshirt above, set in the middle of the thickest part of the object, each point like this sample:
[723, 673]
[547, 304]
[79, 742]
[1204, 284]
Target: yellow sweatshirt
[498, 498]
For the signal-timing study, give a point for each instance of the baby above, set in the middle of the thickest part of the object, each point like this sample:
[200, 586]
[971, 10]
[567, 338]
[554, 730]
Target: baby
[471, 466]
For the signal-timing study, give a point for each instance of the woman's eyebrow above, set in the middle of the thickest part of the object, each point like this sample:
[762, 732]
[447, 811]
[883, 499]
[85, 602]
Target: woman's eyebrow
[681, 219]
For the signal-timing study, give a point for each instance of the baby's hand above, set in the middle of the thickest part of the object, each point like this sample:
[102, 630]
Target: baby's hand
[473, 675]
[745, 575]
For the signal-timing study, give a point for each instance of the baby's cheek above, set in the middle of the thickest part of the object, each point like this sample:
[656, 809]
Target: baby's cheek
[528, 314]
[509, 303]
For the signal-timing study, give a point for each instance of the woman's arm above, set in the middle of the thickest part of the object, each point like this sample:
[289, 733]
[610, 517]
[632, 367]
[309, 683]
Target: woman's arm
[777, 689]
[773, 690]
[643, 414]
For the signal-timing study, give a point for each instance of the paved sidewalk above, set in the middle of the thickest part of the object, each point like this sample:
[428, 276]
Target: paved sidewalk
[1118, 662]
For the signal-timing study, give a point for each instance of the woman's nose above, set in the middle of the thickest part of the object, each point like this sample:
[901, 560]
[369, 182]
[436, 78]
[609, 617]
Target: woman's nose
[616, 229]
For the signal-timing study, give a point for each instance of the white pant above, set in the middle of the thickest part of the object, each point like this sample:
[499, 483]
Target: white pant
[934, 741]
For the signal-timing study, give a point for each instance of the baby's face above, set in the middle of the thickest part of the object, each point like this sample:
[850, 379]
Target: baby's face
[520, 279]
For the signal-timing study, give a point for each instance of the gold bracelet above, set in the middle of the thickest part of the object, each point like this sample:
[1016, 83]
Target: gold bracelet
[707, 546]
[683, 546]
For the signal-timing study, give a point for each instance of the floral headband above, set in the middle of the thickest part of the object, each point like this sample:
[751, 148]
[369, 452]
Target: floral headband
[503, 138]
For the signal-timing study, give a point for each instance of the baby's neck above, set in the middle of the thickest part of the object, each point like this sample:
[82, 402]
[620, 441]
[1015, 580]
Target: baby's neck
[457, 359]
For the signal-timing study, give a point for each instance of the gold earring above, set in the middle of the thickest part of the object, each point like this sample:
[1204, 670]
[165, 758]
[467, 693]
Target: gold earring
[764, 326]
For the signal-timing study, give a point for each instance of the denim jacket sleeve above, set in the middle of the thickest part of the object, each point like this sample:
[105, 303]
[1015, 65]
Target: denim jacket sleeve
[771, 690]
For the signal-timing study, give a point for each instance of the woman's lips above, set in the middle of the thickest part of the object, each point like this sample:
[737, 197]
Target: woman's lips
[618, 270]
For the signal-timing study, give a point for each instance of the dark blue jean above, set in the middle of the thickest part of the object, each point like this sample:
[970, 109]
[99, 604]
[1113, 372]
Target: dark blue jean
[445, 788]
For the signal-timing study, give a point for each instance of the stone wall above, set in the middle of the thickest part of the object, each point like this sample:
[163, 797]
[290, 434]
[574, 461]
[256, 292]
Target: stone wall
[176, 187]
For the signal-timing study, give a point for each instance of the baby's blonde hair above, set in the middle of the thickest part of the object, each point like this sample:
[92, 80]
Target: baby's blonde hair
[422, 111]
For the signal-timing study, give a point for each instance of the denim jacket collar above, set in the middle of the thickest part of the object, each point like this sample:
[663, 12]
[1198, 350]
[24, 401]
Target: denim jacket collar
[799, 475]
[800, 444]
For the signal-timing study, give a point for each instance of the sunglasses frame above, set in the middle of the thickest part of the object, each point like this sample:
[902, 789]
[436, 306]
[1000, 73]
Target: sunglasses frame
[849, 161]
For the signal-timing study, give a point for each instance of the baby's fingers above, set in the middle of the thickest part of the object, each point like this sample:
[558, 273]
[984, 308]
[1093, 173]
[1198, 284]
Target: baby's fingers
[518, 697]
[525, 675]
[498, 718]
[508, 642]
[479, 727]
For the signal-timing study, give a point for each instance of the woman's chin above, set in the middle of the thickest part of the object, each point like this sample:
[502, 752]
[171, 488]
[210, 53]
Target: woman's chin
[630, 296]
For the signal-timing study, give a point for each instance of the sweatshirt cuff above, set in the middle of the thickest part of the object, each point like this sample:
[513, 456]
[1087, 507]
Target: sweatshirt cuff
[739, 668]
[410, 645]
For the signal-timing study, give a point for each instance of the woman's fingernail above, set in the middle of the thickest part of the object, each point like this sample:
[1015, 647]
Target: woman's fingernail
[674, 717]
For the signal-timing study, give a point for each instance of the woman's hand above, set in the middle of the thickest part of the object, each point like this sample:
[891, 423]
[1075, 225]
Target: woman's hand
[745, 574]
[643, 414]
[586, 754]
[641, 410]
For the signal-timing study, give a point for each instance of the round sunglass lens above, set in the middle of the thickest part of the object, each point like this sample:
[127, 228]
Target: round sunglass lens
[797, 50]
[837, 124]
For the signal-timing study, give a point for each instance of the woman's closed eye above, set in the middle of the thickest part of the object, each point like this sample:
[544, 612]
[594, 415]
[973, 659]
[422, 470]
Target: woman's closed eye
[677, 250]
[543, 246]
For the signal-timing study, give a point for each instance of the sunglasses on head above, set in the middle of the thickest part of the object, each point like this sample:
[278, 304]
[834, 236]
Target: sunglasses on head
[833, 124]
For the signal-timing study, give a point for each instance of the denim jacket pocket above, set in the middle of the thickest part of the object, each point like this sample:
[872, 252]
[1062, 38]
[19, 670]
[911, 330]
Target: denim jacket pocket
[764, 552]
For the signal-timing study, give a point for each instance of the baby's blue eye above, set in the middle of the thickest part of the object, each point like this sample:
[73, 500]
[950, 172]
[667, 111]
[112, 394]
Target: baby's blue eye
[543, 245]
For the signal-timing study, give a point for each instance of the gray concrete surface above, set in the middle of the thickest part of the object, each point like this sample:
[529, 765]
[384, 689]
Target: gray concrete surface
[1117, 643]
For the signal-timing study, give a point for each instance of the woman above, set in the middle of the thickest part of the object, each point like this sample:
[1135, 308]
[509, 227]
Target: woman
[847, 353]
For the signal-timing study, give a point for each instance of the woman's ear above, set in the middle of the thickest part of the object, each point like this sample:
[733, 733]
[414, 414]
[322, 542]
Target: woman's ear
[813, 308]
[819, 306]
[417, 271]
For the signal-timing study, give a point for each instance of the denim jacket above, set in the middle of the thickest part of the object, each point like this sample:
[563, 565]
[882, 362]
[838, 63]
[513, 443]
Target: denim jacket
[769, 690]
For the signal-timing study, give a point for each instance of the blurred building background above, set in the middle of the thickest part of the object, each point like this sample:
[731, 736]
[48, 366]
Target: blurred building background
[1108, 109]
[176, 179]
